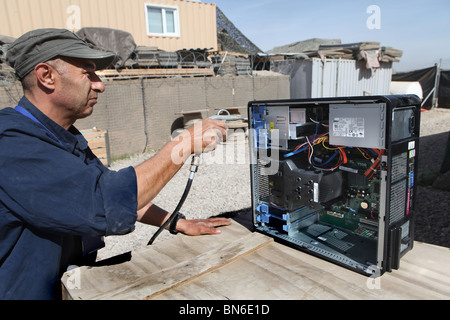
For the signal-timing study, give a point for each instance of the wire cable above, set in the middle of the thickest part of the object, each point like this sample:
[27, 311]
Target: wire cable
[194, 168]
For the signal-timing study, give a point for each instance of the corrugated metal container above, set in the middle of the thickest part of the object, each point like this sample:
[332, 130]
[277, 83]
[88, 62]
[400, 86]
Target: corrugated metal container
[196, 20]
[334, 78]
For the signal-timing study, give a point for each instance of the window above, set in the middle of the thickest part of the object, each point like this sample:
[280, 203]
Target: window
[162, 21]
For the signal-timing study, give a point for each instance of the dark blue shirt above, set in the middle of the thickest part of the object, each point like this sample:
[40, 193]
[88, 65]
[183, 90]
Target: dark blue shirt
[52, 195]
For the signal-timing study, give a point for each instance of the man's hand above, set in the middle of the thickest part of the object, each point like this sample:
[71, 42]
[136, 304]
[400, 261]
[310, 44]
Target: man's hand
[156, 216]
[205, 135]
[201, 226]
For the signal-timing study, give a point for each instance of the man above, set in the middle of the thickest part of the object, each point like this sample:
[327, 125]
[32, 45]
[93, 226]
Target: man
[55, 195]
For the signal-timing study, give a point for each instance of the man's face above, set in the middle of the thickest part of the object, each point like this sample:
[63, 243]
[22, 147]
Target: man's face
[78, 87]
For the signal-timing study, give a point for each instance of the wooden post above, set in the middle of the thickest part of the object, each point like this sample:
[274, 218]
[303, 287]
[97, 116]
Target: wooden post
[435, 102]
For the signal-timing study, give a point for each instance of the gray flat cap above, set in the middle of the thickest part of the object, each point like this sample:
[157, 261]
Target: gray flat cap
[41, 45]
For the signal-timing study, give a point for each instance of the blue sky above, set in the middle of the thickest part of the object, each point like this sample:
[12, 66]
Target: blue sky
[421, 28]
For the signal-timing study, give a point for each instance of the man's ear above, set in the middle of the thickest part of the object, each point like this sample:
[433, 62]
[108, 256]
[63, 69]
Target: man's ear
[45, 76]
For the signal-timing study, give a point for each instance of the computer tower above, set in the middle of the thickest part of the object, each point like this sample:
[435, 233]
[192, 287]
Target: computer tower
[335, 177]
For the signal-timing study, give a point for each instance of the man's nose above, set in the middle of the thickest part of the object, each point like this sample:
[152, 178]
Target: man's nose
[97, 84]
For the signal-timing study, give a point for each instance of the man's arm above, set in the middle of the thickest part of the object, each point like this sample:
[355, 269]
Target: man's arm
[156, 216]
[155, 173]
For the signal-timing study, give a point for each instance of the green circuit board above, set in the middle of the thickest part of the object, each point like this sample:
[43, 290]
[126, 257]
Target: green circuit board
[357, 210]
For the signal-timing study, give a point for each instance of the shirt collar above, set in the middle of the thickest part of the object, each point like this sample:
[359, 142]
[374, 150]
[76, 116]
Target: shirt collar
[71, 138]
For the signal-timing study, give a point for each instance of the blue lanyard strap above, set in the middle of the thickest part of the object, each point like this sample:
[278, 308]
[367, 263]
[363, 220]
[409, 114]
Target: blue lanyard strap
[29, 115]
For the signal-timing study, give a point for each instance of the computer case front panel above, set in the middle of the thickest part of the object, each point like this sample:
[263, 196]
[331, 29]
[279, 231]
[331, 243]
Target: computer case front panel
[335, 177]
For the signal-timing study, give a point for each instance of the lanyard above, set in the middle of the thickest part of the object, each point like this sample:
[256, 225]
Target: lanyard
[29, 115]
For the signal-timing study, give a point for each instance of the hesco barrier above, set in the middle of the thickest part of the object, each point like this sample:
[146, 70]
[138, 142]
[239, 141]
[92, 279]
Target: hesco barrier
[140, 114]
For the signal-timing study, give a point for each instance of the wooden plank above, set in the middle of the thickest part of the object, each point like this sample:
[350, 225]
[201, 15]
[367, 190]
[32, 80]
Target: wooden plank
[261, 269]
[237, 124]
[278, 272]
[89, 134]
[99, 144]
[227, 53]
[162, 266]
[156, 72]
[154, 284]
[192, 112]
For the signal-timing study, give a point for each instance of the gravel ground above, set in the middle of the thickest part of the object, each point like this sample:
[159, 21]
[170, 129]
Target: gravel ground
[433, 200]
[222, 184]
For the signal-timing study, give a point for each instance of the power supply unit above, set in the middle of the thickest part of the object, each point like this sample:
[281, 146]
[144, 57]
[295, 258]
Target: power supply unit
[335, 177]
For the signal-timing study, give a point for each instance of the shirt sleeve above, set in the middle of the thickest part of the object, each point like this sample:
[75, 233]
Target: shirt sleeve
[52, 190]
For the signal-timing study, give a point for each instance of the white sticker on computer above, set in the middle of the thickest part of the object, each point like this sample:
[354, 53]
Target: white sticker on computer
[348, 127]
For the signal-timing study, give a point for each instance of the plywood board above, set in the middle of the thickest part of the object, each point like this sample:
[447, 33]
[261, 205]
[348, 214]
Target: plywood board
[277, 272]
[160, 267]
[241, 265]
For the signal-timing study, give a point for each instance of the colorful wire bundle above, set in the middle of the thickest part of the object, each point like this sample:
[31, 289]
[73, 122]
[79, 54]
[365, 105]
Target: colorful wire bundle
[321, 139]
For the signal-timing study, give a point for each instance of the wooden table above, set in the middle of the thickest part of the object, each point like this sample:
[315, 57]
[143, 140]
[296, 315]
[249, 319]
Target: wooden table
[241, 265]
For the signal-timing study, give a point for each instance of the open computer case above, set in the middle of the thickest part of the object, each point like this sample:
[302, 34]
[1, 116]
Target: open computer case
[335, 177]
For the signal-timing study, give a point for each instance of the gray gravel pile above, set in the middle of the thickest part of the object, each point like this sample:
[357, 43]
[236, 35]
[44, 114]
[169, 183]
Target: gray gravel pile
[222, 184]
